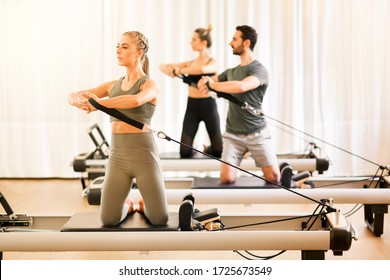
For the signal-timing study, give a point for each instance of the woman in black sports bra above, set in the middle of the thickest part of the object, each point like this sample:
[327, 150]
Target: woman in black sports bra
[200, 107]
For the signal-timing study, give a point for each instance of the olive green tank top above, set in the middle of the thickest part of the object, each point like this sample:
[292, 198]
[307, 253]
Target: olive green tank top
[141, 113]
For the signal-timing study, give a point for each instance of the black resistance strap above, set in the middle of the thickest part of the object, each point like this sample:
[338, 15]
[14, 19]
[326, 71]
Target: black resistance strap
[116, 114]
[233, 99]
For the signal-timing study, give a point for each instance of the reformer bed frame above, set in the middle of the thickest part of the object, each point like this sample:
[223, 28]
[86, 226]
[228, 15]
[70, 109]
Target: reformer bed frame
[83, 232]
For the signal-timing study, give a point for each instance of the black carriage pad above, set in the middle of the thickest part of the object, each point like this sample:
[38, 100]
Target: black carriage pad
[90, 221]
[243, 182]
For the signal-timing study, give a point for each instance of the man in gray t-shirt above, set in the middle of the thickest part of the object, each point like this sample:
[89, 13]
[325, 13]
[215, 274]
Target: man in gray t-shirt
[245, 131]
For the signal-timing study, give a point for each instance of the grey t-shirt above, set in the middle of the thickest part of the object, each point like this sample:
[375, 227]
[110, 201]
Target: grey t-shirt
[241, 121]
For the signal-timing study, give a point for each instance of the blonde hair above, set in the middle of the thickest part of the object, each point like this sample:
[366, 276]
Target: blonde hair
[142, 43]
[204, 34]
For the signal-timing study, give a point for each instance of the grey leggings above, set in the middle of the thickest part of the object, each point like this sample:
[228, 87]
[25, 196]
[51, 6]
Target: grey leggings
[133, 155]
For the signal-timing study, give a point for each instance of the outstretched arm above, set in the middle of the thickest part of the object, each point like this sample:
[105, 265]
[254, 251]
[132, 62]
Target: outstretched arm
[196, 68]
[168, 69]
[231, 87]
[78, 100]
[148, 93]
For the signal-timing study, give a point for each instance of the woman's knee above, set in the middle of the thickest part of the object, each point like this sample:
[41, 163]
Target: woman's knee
[110, 218]
[217, 153]
[186, 153]
[158, 220]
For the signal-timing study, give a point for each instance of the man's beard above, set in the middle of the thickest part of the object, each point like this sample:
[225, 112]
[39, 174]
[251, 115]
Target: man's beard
[239, 50]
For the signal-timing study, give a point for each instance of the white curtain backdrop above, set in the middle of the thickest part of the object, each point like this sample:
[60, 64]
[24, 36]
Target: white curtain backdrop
[328, 62]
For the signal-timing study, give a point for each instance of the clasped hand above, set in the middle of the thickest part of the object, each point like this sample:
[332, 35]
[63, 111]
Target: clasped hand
[202, 84]
[84, 103]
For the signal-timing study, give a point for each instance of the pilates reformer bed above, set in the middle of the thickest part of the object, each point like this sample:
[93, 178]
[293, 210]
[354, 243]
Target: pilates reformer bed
[251, 190]
[311, 233]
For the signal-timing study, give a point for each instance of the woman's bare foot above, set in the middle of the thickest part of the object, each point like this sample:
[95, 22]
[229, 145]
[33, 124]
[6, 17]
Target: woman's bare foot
[141, 205]
[130, 203]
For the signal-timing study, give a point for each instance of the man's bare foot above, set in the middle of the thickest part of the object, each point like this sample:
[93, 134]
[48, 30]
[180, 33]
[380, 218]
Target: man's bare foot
[205, 148]
[130, 203]
[141, 205]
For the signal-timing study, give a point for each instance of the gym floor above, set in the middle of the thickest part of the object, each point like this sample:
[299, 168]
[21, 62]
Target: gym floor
[29, 196]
